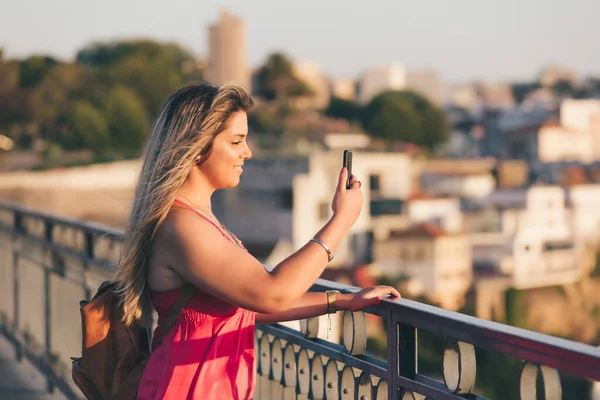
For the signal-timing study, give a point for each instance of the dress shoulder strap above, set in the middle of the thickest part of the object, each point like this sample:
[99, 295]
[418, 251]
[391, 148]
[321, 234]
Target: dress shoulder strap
[225, 235]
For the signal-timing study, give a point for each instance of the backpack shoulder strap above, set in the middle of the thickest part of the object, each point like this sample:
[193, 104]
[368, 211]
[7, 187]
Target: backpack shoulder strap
[184, 297]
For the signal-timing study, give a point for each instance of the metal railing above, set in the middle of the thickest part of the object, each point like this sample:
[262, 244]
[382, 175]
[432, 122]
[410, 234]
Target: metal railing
[48, 264]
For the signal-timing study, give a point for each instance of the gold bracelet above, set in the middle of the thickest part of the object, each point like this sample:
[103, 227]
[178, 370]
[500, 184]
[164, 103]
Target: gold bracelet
[331, 304]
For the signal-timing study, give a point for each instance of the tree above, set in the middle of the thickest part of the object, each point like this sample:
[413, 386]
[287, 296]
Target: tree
[342, 108]
[51, 100]
[521, 90]
[108, 54]
[151, 69]
[87, 128]
[405, 116]
[34, 69]
[391, 117]
[563, 88]
[127, 121]
[276, 80]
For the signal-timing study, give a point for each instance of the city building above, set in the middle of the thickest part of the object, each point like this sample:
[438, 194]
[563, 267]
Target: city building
[227, 51]
[575, 137]
[343, 88]
[553, 74]
[442, 211]
[287, 199]
[312, 74]
[380, 79]
[458, 184]
[429, 84]
[436, 264]
[534, 244]
[463, 96]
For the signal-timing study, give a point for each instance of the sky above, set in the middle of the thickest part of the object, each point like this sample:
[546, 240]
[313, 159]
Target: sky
[464, 40]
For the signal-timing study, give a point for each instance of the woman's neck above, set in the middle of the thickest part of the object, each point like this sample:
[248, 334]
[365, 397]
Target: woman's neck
[197, 193]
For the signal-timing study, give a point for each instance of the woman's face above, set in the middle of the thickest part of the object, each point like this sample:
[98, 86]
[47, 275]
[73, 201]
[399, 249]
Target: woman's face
[223, 167]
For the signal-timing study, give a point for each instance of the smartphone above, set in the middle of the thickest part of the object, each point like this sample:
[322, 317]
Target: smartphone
[348, 166]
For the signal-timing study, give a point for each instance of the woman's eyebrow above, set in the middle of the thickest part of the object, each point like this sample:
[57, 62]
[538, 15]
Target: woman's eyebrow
[242, 135]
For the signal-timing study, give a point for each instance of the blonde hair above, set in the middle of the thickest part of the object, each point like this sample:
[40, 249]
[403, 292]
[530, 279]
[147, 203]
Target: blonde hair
[186, 127]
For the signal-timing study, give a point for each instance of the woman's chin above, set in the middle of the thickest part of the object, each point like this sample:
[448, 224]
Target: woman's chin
[233, 182]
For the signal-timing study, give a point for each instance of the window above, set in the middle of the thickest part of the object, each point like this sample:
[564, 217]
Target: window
[374, 183]
[285, 199]
[404, 254]
[419, 253]
[323, 210]
[385, 207]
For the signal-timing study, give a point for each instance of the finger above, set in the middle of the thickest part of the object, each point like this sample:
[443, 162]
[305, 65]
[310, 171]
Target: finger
[355, 185]
[342, 180]
[388, 290]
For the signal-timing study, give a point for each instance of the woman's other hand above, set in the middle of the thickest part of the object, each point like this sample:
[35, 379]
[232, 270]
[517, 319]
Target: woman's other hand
[368, 297]
[347, 203]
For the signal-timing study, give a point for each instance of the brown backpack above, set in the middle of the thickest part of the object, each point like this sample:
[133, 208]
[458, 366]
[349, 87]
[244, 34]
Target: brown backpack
[114, 355]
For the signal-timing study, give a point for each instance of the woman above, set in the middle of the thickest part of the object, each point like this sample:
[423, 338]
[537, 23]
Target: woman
[199, 144]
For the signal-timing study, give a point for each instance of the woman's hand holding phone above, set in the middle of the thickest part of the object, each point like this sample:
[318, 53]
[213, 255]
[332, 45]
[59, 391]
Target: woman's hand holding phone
[347, 203]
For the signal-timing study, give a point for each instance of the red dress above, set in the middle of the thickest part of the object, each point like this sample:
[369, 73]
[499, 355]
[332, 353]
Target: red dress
[208, 354]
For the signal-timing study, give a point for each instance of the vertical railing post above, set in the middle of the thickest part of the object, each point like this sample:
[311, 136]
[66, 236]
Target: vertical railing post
[89, 252]
[393, 347]
[407, 351]
[17, 230]
[48, 225]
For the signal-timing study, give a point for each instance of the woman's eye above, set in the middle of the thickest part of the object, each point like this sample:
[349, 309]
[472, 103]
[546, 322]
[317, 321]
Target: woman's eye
[238, 142]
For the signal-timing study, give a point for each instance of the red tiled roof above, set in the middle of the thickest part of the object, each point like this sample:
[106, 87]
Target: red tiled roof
[419, 231]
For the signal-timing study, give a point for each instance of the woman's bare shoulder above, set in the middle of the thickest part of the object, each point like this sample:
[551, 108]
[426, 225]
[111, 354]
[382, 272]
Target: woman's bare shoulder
[181, 224]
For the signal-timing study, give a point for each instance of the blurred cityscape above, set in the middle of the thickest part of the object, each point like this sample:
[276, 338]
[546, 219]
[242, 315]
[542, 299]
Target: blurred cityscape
[480, 197]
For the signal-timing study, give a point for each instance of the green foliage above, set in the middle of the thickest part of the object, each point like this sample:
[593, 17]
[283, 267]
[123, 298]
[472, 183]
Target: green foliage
[276, 80]
[563, 88]
[405, 116]
[391, 117]
[265, 120]
[49, 104]
[346, 109]
[153, 79]
[88, 128]
[151, 69]
[101, 54]
[12, 100]
[34, 69]
[127, 120]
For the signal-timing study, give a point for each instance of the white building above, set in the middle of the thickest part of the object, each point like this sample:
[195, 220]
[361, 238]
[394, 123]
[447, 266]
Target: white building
[381, 79]
[385, 178]
[289, 198]
[227, 51]
[444, 212]
[312, 74]
[583, 200]
[429, 84]
[535, 223]
[344, 88]
[557, 143]
[574, 138]
[438, 264]
[458, 184]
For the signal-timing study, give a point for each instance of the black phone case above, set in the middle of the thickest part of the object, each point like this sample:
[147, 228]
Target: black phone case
[348, 165]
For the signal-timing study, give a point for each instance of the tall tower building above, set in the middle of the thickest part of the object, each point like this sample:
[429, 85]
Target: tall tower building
[227, 51]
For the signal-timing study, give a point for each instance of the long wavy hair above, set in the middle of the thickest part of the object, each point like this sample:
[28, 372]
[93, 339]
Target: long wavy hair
[186, 127]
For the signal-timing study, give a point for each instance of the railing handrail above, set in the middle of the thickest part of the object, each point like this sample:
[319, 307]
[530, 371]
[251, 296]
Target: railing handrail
[569, 356]
[86, 226]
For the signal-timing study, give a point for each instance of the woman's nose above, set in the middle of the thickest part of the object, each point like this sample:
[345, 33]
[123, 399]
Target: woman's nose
[247, 153]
